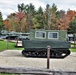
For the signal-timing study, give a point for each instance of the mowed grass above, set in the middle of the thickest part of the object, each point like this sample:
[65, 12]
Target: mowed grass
[8, 45]
[73, 49]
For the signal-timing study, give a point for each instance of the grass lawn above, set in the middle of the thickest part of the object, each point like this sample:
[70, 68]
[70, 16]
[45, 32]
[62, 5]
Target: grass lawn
[8, 45]
[73, 49]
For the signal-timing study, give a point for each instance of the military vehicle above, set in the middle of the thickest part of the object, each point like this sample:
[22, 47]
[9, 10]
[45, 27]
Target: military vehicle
[40, 39]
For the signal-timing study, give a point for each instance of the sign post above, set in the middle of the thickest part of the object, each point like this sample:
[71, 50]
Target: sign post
[48, 57]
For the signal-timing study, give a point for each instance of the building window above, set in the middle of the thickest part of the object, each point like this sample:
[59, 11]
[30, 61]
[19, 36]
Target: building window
[53, 35]
[40, 34]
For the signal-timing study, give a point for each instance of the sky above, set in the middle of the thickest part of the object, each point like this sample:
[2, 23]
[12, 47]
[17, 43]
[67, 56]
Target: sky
[10, 6]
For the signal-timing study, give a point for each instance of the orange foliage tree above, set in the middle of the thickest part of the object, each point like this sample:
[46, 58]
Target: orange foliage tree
[21, 20]
[66, 19]
[6, 24]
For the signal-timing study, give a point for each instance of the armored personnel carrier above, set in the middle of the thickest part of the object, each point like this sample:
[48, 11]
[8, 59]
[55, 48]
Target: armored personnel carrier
[40, 39]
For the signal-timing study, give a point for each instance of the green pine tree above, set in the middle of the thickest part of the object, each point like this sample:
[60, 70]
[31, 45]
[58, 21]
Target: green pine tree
[1, 22]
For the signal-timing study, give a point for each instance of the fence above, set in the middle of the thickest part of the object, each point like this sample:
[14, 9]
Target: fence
[34, 71]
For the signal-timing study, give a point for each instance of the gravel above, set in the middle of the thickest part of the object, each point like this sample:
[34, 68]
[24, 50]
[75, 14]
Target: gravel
[14, 58]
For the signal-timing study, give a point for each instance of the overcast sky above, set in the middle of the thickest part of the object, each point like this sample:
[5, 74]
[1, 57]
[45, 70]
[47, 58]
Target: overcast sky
[10, 6]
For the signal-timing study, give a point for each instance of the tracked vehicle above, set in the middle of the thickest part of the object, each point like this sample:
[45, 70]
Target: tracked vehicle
[40, 39]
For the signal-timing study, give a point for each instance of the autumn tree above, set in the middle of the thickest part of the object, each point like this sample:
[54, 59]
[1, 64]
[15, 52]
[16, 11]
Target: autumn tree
[63, 23]
[66, 19]
[28, 18]
[16, 22]
[21, 21]
[12, 22]
[71, 14]
[60, 14]
[6, 24]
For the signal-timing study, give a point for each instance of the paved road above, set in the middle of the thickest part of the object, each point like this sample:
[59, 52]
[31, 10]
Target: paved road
[14, 58]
